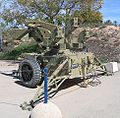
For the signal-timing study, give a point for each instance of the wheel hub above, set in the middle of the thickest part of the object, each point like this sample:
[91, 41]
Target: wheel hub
[27, 72]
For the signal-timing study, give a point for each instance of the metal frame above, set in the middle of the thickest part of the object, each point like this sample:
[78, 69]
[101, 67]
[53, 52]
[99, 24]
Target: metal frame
[55, 81]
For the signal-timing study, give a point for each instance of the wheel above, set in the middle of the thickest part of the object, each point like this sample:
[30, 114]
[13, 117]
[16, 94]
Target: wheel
[30, 73]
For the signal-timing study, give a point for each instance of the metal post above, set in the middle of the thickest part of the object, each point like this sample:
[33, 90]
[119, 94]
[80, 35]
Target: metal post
[45, 85]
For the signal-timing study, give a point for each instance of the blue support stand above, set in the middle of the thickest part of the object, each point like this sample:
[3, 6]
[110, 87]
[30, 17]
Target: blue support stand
[45, 85]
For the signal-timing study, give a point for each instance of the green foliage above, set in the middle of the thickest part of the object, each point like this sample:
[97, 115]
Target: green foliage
[91, 4]
[109, 22]
[89, 17]
[23, 48]
[104, 60]
[54, 11]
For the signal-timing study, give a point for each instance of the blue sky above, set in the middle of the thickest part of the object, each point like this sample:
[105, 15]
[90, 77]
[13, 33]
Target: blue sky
[111, 10]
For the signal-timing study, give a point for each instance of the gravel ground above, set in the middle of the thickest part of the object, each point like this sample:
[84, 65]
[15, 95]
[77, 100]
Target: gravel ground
[102, 101]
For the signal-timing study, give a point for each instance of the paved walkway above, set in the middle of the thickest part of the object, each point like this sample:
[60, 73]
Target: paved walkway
[102, 101]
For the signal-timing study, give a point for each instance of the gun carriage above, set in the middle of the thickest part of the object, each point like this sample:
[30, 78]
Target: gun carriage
[61, 53]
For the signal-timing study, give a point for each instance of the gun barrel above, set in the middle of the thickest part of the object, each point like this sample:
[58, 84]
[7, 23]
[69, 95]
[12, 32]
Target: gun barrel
[42, 24]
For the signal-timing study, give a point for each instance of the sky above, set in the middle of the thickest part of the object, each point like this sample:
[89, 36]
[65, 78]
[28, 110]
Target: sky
[111, 10]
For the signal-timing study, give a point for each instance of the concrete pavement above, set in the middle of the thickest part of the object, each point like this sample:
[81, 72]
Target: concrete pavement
[102, 101]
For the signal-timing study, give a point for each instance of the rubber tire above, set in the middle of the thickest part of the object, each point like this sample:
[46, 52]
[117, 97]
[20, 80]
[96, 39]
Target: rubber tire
[36, 73]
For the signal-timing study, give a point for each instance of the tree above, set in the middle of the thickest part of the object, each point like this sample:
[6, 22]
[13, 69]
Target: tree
[92, 5]
[12, 14]
[54, 11]
[108, 22]
[115, 23]
[89, 17]
[89, 14]
[49, 9]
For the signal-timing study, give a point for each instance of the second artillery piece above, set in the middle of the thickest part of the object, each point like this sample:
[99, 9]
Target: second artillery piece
[61, 54]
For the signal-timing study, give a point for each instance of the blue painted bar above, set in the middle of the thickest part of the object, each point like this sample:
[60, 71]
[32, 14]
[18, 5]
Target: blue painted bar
[45, 85]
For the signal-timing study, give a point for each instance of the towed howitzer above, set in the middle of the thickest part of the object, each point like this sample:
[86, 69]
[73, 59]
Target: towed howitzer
[62, 56]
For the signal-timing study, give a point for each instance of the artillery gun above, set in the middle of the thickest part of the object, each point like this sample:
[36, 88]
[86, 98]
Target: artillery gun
[62, 56]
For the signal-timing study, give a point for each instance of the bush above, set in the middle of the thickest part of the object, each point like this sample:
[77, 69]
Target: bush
[23, 48]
